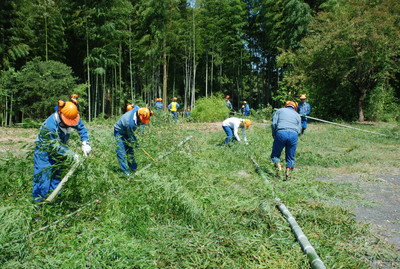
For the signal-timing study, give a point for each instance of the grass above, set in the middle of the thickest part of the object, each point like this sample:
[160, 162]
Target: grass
[203, 206]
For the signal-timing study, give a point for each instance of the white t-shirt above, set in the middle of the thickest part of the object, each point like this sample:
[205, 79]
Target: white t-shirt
[235, 123]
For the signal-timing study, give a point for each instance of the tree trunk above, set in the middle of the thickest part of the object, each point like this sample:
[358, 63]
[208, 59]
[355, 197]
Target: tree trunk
[361, 99]
[88, 74]
[206, 75]
[165, 76]
[212, 74]
[130, 63]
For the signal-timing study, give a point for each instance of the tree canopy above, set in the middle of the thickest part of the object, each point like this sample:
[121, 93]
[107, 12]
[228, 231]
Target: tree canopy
[344, 54]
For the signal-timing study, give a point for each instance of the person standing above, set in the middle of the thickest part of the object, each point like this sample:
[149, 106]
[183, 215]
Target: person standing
[124, 135]
[173, 107]
[228, 102]
[51, 147]
[304, 110]
[158, 105]
[245, 109]
[286, 128]
[231, 127]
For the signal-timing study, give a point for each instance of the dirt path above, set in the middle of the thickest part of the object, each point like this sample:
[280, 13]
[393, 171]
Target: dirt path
[378, 203]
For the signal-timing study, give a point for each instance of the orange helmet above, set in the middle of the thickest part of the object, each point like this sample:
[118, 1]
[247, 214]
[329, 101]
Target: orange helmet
[303, 96]
[291, 104]
[68, 112]
[175, 98]
[227, 97]
[144, 115]
[129, 107]
[247, 123]
[74, 98]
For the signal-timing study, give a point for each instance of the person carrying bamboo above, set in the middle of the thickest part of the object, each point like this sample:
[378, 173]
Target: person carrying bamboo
[231, 127]
[126, 140]
[286, 128]
[51, 147]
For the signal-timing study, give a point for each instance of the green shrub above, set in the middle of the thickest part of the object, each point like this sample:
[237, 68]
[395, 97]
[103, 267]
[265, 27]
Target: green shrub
[210, 109]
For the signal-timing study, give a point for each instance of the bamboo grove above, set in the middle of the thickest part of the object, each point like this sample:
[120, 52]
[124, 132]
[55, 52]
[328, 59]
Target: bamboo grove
[263, 51]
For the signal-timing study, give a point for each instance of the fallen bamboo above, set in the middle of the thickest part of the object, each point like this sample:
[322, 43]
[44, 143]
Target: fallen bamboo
[96, 201]
[306, 246]
[145, 152]
[62, 182]
[342, 125]
[312, 255]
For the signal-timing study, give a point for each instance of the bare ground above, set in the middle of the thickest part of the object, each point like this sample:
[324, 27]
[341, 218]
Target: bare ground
[378, 202]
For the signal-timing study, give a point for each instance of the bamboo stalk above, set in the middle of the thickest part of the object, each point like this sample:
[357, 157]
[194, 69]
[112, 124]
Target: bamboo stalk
[312, 255]
[306, 246]
[145, 152]
[62, 182]
[342, 125]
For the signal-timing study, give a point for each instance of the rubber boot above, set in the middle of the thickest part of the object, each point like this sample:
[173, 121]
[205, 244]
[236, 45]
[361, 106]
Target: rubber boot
[278, 169]
[288, 170]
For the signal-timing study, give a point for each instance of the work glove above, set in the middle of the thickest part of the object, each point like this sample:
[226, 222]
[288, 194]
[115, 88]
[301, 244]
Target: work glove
[76, 157]
[72, 155]
[86, 148]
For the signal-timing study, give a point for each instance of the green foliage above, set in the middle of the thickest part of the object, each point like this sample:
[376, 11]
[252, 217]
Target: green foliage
[39, 85]
[348, 61]
[210, 109]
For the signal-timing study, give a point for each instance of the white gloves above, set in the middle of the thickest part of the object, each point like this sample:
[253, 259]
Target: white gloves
[76, 157]
[86, 148]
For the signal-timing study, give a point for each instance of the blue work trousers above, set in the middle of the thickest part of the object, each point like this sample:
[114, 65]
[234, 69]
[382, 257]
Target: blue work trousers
[229, 134]
[125, 153]
[304, 123]
[45, 176]
[287, 140]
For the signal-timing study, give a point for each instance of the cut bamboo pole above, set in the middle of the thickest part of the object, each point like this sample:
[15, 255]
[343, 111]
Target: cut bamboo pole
[308, 249]
[145, 152]
[312, 255]
[62, 182]
[342, 125]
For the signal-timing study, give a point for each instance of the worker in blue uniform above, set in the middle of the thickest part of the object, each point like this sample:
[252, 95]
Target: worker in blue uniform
[286, 128]
[51, 147]
[228, 102]
[304, 110]
[245, 109]
[126, 140]
[158, 105]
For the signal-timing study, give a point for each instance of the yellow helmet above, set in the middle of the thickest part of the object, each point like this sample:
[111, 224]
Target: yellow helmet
[144, 115]
[129, 107]
[175, 98]
[247, 123]
[303, 96]
[68, 112]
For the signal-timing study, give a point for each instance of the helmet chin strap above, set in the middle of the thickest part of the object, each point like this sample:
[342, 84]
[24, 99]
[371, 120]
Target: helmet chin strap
[64, 128]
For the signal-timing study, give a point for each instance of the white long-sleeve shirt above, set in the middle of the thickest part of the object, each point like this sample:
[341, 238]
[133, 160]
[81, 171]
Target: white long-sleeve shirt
[235, 123]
